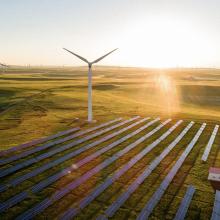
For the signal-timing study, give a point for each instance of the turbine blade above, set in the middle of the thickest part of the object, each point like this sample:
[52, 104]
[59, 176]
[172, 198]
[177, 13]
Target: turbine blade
[100, 58]
[81, 58]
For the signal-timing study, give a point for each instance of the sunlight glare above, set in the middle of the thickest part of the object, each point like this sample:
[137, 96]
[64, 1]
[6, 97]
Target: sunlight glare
[167, 93]
[161, 42]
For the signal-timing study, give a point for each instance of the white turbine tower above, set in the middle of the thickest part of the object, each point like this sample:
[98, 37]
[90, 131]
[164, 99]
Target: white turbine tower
[90, 79]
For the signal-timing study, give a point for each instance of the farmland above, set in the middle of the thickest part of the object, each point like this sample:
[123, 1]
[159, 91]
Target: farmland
[138, 111]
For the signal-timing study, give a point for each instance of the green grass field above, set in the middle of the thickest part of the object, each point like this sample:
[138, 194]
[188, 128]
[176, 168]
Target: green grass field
[37, 102]
[41, 101]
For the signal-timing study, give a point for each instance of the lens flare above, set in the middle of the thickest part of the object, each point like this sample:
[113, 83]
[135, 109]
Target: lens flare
[167, 94]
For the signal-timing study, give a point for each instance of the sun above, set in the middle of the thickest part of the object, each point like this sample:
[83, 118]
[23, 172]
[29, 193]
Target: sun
[159, 42]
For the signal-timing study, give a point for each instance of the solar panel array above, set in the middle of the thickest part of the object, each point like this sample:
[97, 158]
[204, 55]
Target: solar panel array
[181, 213]
[210, 143]
[42, 184]
[216, 208]
[7, 171]
[140, 179]
[87, 159]
[148, 208]
[123, 139]
[29, 214]
[14, 182]
[70, 213]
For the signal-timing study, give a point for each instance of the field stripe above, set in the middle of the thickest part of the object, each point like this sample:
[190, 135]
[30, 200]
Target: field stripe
[73, 211]
[154, 200]
[37, 141]
[38, 208]
[7, 171]
[216, 207]
[42, 184]
[141, 178]
[210, 143]
[48, 145]
[181, 213]
[17, 180]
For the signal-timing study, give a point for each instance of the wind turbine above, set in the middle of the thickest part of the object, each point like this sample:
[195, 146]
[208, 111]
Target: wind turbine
[90, 78]
[4, 65]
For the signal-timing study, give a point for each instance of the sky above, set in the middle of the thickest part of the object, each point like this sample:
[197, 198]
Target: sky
[148, 33]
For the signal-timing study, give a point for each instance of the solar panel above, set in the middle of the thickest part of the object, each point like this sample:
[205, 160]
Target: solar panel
[216, 207]
[72, 185]
[148, 208]
[7, 171]
[132, 187]
[39, 206]
[37, 141]
[101, 217]
[48, 145]
[13, 201]
[210, 143]
[181, 213]
[98, 190]
[71, 212]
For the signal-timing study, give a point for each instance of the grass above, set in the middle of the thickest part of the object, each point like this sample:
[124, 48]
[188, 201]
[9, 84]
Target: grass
[36, 102]
[42, 101]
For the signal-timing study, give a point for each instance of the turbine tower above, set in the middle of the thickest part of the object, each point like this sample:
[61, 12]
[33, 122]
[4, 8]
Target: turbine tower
[90, 117]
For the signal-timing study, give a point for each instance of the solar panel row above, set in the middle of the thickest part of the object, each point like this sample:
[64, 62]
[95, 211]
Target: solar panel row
[14, 182]
[37, 141]
[181, 213]
[111, 210]
[70, 213]
[210, 143]
[7, 171]
[50, 144]
[148, 208]
[29, 214]
[216, 208]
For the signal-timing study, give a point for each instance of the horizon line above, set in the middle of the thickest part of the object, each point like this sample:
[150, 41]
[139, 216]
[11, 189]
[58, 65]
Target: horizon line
[115, 66]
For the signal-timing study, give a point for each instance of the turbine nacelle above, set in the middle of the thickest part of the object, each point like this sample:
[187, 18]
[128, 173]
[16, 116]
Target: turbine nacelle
[90, 65]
